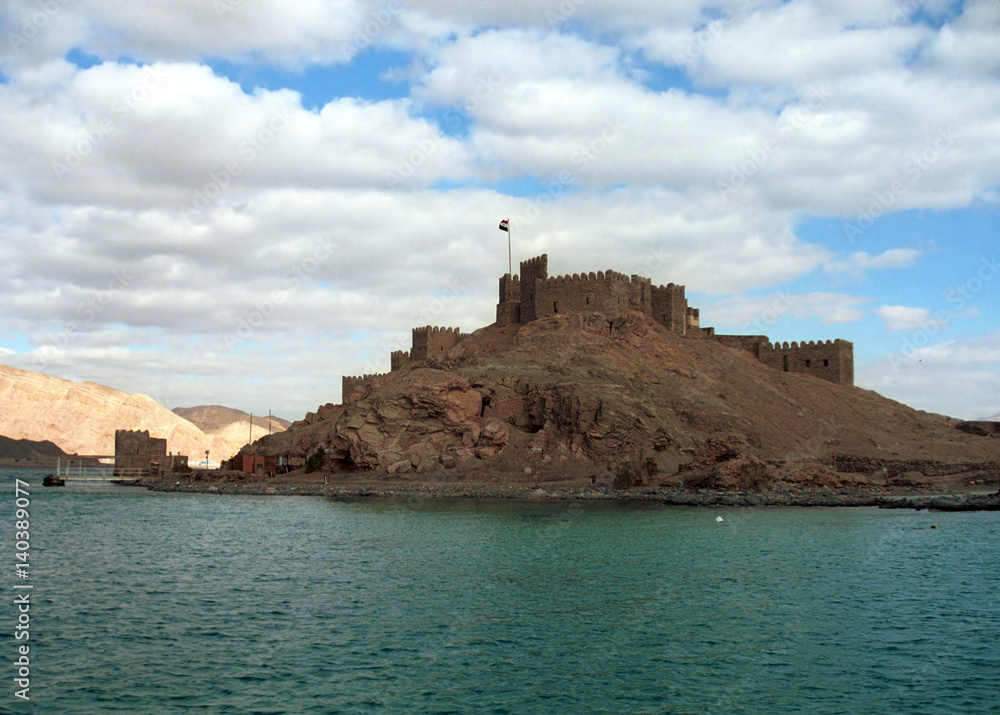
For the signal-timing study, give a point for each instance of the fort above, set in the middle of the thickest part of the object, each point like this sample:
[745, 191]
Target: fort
[136, 451]
[533, 295]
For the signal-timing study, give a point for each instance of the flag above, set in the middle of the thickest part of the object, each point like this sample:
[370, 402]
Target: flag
[505, 225]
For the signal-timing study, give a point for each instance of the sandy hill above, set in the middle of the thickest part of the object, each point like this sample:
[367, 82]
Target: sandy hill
[230, 424]
[591, 391]
[82, 418]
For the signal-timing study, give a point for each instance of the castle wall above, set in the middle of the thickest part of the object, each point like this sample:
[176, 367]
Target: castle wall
[832, 360]
[533, 271]
[136, 450]
[136, 443]
[431, 342]
[751, 343]
[349, 383]
[669, 307]
[509, 306]
[398, 359]
[605, 292]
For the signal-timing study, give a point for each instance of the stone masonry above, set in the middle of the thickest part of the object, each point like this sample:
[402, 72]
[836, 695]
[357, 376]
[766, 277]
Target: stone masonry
[135, 450]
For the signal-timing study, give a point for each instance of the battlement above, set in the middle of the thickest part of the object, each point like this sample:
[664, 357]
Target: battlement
[398, 359]
[349, 383]
[534, 294]
[432, 341]
[831, 360]
[537, 267]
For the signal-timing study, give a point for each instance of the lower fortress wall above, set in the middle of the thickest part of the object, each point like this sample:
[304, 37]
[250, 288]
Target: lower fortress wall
[831, 360]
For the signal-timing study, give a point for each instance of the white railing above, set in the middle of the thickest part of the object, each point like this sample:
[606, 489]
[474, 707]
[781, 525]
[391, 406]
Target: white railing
[105, 473]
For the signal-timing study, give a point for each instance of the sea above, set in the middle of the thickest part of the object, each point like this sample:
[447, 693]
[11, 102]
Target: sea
[145, 603]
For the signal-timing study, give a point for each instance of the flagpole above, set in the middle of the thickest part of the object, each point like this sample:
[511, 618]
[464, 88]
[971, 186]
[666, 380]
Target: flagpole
[510, 264]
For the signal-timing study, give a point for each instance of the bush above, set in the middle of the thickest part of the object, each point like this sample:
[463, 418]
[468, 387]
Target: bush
[314, 462]
[651, 467]
[181, 468]
[625, 477]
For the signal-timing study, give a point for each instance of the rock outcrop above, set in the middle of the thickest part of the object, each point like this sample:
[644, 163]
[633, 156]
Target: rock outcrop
[589, 391]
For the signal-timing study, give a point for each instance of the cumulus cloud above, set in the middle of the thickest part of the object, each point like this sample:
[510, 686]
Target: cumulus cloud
[196, 232]
[760, 314]
[901, 317]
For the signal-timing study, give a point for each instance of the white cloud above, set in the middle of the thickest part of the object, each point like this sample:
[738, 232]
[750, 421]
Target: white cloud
[191, 208]
[860, 261]
[957, 377]
[901, 317]
[759, 314]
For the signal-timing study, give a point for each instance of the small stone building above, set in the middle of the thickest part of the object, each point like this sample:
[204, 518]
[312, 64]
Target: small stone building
[137, 454]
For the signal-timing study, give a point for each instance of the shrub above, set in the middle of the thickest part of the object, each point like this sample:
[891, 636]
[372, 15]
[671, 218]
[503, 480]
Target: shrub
[651, 467]
[625, 477]
[314, 462]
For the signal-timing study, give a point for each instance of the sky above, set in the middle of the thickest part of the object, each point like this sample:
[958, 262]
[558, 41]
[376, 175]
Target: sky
[238, 201]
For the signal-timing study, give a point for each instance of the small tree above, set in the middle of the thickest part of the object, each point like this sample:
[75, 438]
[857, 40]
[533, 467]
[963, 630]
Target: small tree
[651, 467]
[624, 477]
[314, 462]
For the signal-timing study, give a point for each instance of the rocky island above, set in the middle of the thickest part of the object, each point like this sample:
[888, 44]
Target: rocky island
[604, 385]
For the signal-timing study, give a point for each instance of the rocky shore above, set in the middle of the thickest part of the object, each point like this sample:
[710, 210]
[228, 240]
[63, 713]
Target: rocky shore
[790, 495]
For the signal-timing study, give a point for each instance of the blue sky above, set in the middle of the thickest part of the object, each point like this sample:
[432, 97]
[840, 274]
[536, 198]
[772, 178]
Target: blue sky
[238, 201]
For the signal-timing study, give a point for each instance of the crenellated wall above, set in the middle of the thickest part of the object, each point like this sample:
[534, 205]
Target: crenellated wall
[349, 383]
[669, 307]
[533, 271]
[509, 307]
[692, 320]
[431, 341]
[534, 294]
[398, 359]
[831, 360]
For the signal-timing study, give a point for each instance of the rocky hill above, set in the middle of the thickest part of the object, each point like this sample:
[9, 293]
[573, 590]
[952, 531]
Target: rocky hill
[229, 424]
[26, 452]
[587, 393]
[82, 418]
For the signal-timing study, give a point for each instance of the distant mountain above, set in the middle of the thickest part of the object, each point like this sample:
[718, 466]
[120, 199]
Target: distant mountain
[81, 418]
[994, 418]
[230, 424]
[28, 449]
[211, 418]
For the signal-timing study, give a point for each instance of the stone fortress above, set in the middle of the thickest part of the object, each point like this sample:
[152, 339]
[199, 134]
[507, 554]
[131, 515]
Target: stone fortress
[534, 294]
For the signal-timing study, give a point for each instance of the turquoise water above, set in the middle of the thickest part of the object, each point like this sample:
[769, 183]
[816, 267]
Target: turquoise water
[174, 603]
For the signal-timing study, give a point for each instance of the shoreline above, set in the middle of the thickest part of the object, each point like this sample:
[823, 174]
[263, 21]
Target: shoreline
[793, 495]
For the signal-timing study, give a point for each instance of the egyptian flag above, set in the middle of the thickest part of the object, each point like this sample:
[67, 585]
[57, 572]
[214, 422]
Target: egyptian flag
[505, 225]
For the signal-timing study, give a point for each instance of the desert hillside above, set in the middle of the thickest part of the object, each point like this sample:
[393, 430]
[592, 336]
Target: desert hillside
[590, 391]
[231, 425]
[82, 418]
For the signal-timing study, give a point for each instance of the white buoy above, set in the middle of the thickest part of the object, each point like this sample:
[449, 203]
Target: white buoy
[719, 519]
